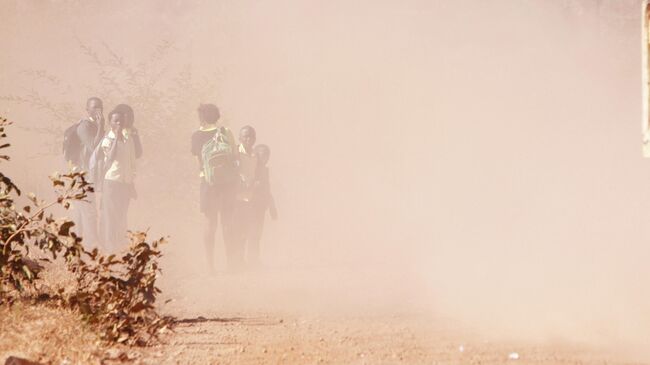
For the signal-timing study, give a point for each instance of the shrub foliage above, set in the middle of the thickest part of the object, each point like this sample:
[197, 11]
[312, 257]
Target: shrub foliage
[116, 294]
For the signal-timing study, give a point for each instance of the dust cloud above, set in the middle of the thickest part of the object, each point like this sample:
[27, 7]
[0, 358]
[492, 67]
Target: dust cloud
[478, 161]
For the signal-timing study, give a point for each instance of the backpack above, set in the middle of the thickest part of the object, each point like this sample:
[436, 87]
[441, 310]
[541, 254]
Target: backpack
[217, 157]
[72, 145]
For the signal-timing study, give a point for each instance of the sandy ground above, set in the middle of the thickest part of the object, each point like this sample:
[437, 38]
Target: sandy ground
[281, 339]
[304, 340]
[326, 316]
[275, 317]
[354, 340]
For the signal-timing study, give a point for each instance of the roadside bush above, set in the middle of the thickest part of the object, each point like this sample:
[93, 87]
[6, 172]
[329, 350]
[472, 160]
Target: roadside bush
[117, 294]
[114, 294]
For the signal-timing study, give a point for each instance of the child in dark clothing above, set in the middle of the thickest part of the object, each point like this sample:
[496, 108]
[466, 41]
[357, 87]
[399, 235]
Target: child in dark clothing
[246, 162]
[262, 201]
[252, 200]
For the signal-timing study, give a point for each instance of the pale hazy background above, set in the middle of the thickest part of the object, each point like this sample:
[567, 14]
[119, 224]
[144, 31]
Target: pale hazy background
[476, 160]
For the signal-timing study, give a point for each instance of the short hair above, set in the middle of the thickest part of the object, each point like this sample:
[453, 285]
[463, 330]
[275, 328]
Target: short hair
[208, 112]
[251, 129]
[94, 98]
[263, 149]
[127, 112]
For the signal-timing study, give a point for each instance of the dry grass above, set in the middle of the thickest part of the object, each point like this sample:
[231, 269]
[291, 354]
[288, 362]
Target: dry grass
[49, 335]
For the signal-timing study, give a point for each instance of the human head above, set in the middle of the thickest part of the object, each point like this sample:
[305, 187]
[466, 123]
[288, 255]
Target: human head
[263, 153]
[116, 119]
[127, 113]
[208, 113]
[94, 106]
[247, 137]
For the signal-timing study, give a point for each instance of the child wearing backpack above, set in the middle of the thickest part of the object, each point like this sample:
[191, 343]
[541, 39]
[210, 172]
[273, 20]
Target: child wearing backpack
[79, 142]
[214, 147]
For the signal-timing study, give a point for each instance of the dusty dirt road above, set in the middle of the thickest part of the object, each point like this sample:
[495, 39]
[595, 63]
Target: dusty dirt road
[58, 338]
[276, 319]
[311, 317]
[350, 340]
[327, 315]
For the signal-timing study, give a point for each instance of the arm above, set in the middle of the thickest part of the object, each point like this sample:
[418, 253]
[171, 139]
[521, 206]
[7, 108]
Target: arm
[100, 130]
[273, 211]
[198, 160]
[138, 143]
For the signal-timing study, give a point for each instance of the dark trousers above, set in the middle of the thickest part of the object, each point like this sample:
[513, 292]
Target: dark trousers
[116, 197]
[217, 205]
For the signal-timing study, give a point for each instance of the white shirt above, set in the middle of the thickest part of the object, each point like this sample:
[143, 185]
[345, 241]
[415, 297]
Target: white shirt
[123, 167]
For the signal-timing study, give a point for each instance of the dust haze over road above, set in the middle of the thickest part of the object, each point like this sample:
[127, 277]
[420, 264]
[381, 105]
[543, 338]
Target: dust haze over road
[472, 160]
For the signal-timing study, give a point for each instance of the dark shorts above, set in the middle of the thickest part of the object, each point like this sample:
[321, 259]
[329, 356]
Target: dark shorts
[216, 199]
